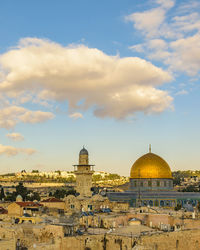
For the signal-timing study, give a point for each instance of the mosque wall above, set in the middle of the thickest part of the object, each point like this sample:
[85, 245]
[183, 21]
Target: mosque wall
[150, 184]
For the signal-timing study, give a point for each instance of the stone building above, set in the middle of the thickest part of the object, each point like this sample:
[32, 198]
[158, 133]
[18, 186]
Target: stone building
[53, 203]
[95, 203]
[84, 172]
[19, 208]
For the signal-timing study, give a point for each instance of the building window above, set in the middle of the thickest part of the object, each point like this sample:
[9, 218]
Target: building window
[72, 206]
[162, 203]
[167, 203]
[158, 184]
[151, 203]
[149, 183]
[89, 207]
[165, 184]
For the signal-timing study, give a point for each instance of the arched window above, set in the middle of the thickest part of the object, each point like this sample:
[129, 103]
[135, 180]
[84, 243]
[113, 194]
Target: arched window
[162, 203]
[151, 203]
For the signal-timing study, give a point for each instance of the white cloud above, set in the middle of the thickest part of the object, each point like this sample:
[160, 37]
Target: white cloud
[160, 55]
[11, 115]
[188, 6]
[187, 23]
[186, 55]
[137, 48]
[148, 22]
[76, 115]
[35, 116]
[15, 136]
[171, 39]
[12, 151]
[182, 92]
[168, 4]
[157, 44]
[152, 23]
[111, 85]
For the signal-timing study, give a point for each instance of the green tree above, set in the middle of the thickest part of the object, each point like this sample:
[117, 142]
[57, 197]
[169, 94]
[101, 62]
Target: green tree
[2, 194]
[190, 188]
[96, 177]
[198, 206]
[58, 171]
[178, 207]
[21, 190]
[10, 197]
[71, 192]
[112, 177]
[59, 193]
[33, 196]
[35, 171]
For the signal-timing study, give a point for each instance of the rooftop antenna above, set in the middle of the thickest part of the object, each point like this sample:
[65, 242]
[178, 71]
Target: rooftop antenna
[149, 148]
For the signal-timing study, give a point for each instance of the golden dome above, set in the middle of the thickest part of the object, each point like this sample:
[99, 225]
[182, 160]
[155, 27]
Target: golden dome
[151, 166]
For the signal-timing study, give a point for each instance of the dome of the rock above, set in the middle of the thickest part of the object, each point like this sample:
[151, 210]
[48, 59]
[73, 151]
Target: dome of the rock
[150, 166]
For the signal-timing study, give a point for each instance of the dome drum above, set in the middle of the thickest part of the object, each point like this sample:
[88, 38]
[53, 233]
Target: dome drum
[149, 184]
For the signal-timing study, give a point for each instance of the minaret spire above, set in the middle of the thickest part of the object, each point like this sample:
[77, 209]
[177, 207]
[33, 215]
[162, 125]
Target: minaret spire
[149, 148]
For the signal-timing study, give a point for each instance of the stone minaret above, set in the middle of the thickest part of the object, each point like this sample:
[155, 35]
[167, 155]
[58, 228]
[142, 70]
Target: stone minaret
[84, 174]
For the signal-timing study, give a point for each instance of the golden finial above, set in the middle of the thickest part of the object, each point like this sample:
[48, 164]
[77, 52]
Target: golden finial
[149, 148]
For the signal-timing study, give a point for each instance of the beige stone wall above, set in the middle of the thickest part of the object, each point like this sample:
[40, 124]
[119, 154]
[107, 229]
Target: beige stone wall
[51, 237]
[76, 204]
[58, 205]
[84, 183]
[183, 240]
[7, 244]
[119, 206]
[83, 160]
[15, 210]
[155, 220]
[97, 242]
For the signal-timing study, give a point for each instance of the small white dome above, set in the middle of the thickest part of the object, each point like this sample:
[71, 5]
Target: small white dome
[19, 198]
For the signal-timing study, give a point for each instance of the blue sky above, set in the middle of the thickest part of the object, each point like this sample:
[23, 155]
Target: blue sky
[111, 75]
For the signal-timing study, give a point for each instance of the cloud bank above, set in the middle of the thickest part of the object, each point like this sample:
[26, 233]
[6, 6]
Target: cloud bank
[11, 115]
[76, 116]
[172, 39]
[15, 136]
[86, 77]
[12, 151]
